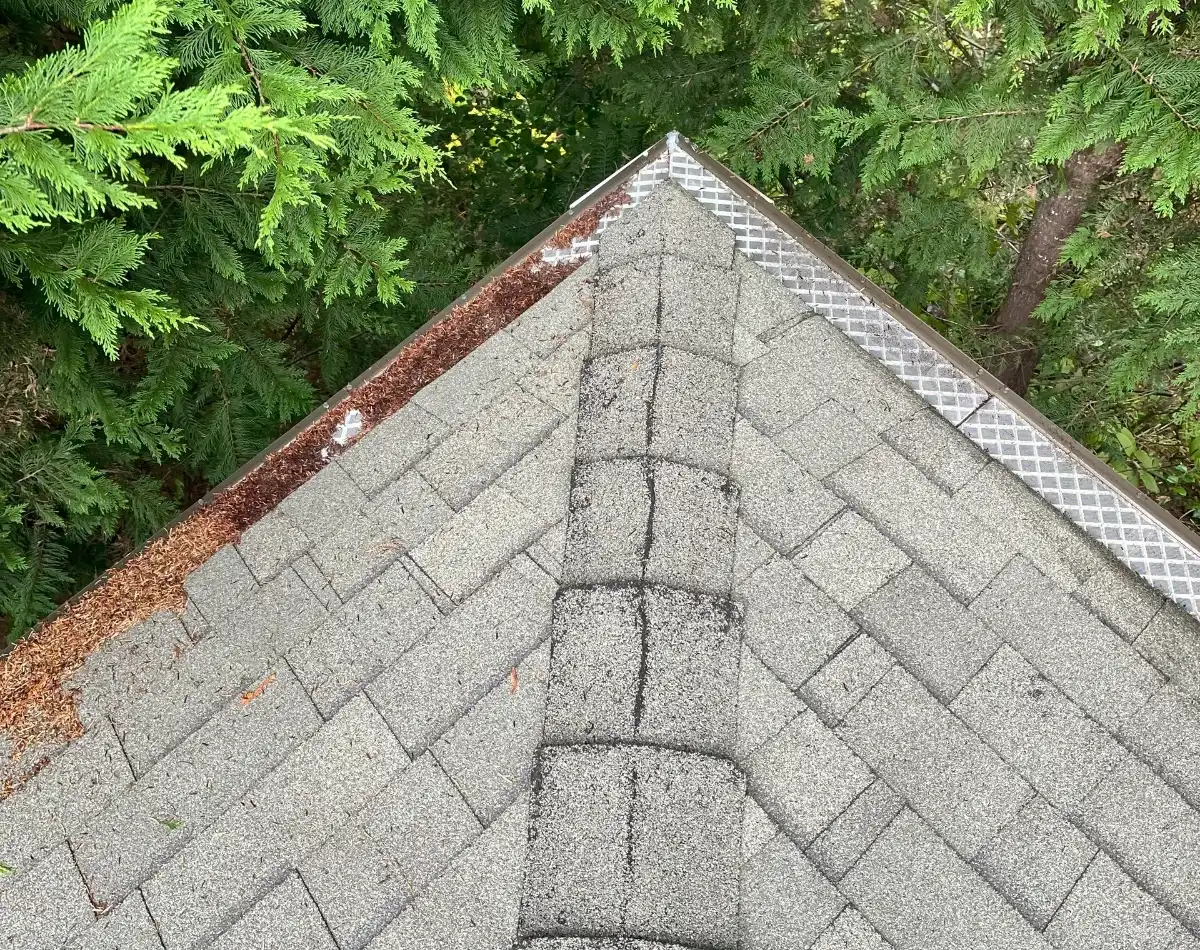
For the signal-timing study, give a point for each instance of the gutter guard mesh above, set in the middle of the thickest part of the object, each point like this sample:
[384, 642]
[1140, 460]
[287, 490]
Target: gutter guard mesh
[1166, 561]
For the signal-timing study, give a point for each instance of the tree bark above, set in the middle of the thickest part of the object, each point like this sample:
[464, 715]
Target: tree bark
[1055, 220]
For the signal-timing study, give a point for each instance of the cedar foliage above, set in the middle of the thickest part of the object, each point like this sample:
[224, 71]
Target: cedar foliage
[918, 139]
[214, 212]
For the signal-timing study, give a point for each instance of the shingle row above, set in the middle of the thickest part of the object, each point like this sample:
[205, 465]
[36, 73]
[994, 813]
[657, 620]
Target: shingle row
[636, 815]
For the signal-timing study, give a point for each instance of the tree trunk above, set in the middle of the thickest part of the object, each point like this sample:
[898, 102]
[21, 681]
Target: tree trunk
[1055, 220]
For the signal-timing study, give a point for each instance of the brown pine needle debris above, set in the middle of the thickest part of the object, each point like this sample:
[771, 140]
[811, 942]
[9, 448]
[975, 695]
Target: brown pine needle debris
[35, 705]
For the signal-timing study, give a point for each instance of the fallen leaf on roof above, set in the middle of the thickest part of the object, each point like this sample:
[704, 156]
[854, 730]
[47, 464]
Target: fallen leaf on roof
[252, 694]
[5, 870]
[173, 823]
[512, 681]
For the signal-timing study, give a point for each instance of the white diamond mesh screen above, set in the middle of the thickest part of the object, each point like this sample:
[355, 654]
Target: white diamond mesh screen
[1148, 547]
[1145, 545]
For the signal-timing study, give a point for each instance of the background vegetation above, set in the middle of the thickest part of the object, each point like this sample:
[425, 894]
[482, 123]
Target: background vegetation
[215, 212]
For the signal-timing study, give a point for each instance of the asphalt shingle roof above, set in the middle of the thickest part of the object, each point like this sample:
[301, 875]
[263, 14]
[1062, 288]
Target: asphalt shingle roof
[667, 618]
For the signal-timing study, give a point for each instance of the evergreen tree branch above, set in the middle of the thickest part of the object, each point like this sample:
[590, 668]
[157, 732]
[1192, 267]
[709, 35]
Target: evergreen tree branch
[1155, 90]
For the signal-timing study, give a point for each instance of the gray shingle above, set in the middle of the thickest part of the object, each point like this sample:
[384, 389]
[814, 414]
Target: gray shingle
[851, 931]
[360, 639]
[791, 625]
[668, 219]
[1166, 733]
[270, 544]
[836, 849]
[468, 653]
[595, 666]
[1120, 598]
[555, 379]
[46, 906]
[609, 522]
[191, 787]
[691, 231]
[626, 307]
[1035, 860]
[698, 305]
[812, 363]
[876, 397]
[466, 551]
[367, 872]
[126, 927]
[221, 585]
[576, 869]
[918, 893]
[785, 901]
[750, 553]
[203, 680]
[489, 751]
[849, 559]
[476, 380]
[391, 447]
[757, 829]
[1085, 659]
[305, 568]
[481, 449]
[1171, 641]
[940, 532]
[689, 688]
[783, 387]
[410, 510]
[693, 529]
[936, 638]
[319, 506]
[593, 943]
[1144, 824]
[833, 777]
[541, 481]
[62, 798]
[286, 919]
[193, 621]
[781, 501]
[937, 448]
[474, 905]
[356, 552]
[547, 551]
[827, 438]
[685, 855]
[838, 686]
[285, 610]
[694, 400]
[615, 393]
[955, 782]
[764, 304]
[546, 325]
[746, 347]
[1107, 911]
[764, 706]
[637, 234]
[219, 875]
[1024, 522]
[1027, 720]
